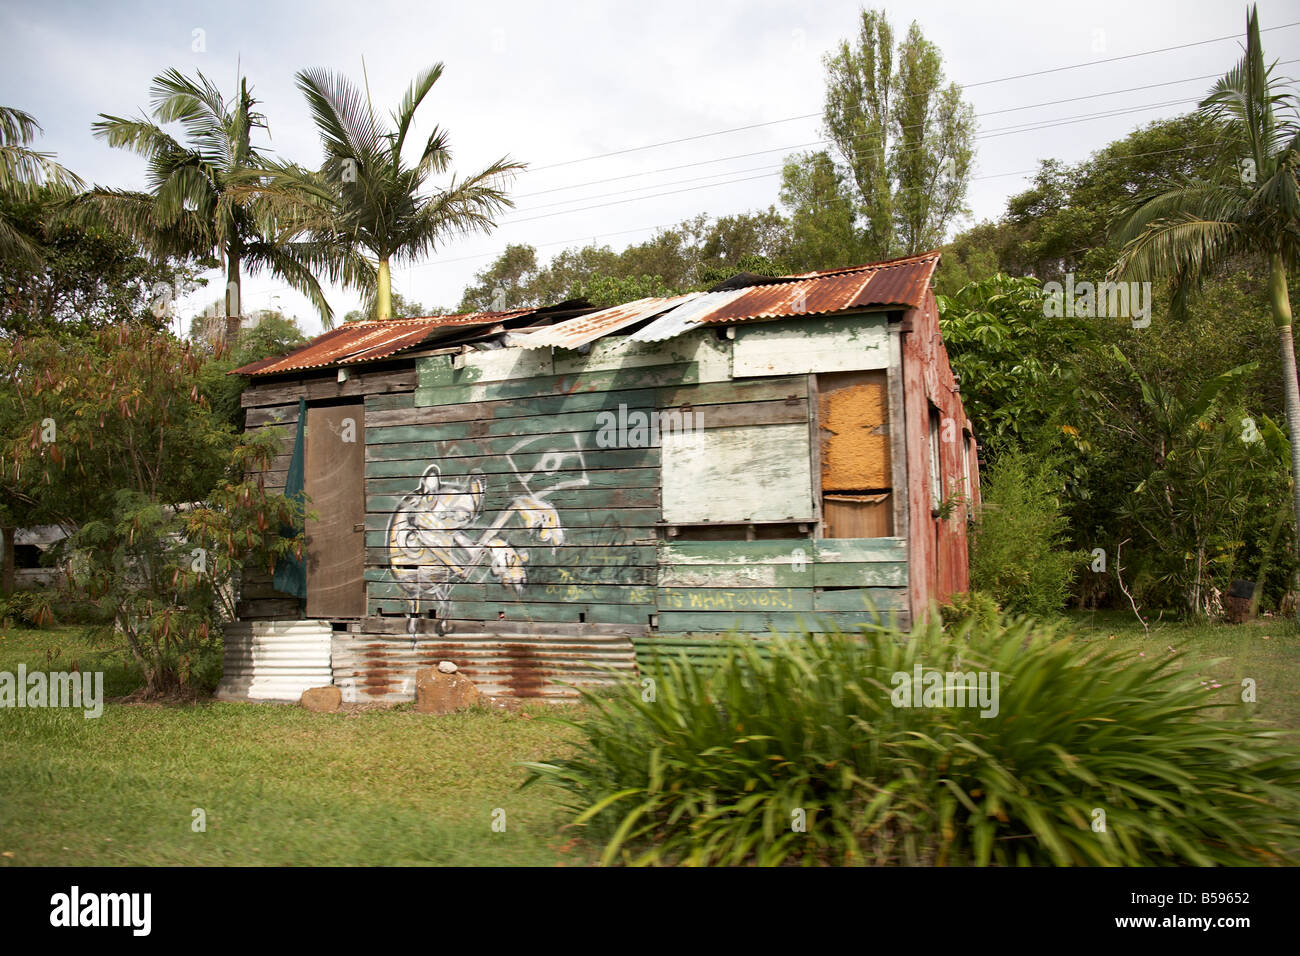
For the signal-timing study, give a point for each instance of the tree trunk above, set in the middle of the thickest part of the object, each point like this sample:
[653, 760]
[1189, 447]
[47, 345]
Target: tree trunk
[234, 298]
[1290, 386]
[7, 562]
[384, 292]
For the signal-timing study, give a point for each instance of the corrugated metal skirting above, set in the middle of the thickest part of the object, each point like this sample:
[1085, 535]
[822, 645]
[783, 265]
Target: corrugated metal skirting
[381, 667]
[274, 660]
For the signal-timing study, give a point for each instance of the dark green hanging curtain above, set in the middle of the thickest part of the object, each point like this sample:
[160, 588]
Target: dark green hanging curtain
[291, 572]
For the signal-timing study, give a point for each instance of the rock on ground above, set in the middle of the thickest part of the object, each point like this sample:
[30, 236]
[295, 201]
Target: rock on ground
[439, 693]
[322, 700]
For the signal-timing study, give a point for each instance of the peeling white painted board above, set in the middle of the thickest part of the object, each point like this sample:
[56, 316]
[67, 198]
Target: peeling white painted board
[612, 352]
[499, 365]
[845, 344]
[745, 473]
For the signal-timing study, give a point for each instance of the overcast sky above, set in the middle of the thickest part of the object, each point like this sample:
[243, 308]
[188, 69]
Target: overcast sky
[554, 84]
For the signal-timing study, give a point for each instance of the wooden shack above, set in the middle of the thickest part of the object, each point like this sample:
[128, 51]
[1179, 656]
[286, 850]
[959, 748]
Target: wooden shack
[543, 495]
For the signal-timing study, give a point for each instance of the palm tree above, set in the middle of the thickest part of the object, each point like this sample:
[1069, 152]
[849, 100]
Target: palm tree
[366, 200]
[1250, 207]
[190, 210]
[26, 175]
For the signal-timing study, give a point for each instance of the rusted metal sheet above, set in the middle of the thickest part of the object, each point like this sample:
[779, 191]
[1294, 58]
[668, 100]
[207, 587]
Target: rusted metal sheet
[368, 341]
[685, 317]
[900, 282]
[382, 667]
[575, 333]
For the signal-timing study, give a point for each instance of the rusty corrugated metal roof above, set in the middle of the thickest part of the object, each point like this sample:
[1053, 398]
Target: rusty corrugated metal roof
[369, 340]
[575, 333]
[899, 282]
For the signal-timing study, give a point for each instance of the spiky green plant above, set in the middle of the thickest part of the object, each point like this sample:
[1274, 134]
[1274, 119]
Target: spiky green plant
[718, 765]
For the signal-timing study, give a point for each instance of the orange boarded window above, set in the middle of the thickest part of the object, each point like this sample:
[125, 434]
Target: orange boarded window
[856, 475]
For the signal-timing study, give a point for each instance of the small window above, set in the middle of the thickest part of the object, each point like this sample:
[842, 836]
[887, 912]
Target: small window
[936, 459]
[967, 449]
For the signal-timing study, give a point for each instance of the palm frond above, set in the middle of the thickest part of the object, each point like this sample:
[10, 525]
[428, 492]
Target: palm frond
[342, 115]
[18, 246]
[436, 155]
[463, 207]
[415, 95]
[17, 126]
[1180, 245]
[1191, 197]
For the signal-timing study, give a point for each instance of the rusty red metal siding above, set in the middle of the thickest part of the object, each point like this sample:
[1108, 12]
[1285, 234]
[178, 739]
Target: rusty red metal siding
[938, 555]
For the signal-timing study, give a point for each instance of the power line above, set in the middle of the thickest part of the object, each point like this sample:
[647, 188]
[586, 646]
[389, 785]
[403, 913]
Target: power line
[1021, 172]
[411, 270]
[997, 132]
[1017, 128]
[824, 142]
[968, 86]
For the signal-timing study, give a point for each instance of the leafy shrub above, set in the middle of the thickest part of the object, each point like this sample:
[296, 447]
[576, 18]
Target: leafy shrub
[165, 499]
[716, 768]
[1018, 553]
[975, 606]
[29, 608]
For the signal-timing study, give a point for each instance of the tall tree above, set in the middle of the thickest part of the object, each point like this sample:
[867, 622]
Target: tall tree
[191, 209]
[86, 277]
[905, 136]
[27, 176]
[367, 202]
[29, 180]
[823, 214]
[1249, 205]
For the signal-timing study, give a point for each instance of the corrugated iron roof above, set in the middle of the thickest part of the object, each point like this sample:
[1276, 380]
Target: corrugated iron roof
[678, 320]
[368, 340]
[575, 333]
[900, 282]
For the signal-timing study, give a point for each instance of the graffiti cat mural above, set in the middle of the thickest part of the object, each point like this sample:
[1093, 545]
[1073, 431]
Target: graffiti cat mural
[434, 542]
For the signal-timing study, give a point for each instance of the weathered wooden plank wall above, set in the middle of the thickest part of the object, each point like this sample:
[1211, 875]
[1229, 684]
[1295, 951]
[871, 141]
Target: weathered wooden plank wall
[527, 426]
[506, 527]
[938, 547]
[538, 516]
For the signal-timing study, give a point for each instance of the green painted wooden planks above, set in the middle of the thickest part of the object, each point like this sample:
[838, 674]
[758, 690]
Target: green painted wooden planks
[632, 492]
[792, 551]
[727, 601]
[874, 574]
[627, 575]
[533, 593]
[608, 380]
[637, 475]
[495, 449]
[598, 548]
[784, 622]
[514, 611]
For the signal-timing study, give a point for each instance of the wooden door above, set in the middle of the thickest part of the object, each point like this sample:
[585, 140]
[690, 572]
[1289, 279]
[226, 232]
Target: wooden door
[336, 538]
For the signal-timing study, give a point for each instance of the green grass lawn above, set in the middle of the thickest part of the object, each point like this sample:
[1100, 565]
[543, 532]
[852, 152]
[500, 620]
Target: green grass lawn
[283, 786]
[1266, 651]
[279, 785]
